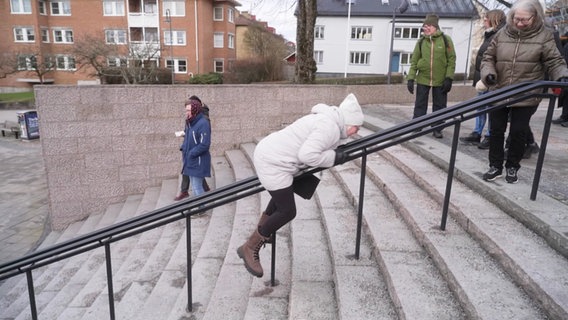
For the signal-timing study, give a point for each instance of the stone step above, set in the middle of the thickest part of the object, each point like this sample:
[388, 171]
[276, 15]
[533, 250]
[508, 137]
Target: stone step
[49, 279]
[415, 286]
[524, 255]
[485, 265]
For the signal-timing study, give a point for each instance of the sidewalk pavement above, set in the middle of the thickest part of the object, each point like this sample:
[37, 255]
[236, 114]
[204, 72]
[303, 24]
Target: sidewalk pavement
[23, 194]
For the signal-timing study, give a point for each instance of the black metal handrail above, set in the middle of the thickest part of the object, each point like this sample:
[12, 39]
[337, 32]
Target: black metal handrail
[359, 148]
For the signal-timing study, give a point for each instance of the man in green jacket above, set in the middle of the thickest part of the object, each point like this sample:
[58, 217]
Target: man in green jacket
[432, 65]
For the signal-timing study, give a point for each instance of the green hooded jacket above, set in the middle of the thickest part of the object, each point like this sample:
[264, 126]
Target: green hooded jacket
[433, 63]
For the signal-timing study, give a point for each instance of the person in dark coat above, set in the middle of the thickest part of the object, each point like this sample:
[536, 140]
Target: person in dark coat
[195, 149]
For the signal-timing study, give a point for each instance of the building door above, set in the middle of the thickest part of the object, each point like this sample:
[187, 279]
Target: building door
[395, 62]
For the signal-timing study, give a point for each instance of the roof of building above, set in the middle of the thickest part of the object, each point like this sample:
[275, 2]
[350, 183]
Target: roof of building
[385, 8]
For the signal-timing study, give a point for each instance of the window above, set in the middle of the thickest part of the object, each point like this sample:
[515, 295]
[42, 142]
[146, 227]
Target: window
[150, 6]
[42, 7]
[218, 13]
[319, 32]
[176, 7]
[218, 65]
[27, 62]
[117, 62]
[24, 34]
[362, 33]
[179, 38]
[318, 56]
[359, 57]
[218, 40]
[179, 65]
[21, 6]
[231, 15]
[407, 33]
[231, 41]
[44, 35]
[115, 36]
[405, 58]
[61, 8]
[113, 7]
[144, 35]
[63, 36]
[65, 63]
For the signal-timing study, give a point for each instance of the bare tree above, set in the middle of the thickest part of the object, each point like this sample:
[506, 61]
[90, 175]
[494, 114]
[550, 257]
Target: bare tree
[93, 52]
[30, 63]
[8, 64]
[267, 48]
[135, 63]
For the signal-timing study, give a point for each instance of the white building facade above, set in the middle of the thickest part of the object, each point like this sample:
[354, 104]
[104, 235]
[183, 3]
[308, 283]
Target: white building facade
[360, 44]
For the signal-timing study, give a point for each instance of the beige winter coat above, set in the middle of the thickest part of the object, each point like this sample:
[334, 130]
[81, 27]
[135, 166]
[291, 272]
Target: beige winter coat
[515, 56]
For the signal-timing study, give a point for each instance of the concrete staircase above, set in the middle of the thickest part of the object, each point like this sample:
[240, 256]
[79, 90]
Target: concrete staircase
[500, 257]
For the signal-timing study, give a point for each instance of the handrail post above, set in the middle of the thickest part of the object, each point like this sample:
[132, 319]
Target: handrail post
[188, 262]
[273, 261]
[360, 207]
[543, 143]
[31, 293]
[109, 280]
[450, 178]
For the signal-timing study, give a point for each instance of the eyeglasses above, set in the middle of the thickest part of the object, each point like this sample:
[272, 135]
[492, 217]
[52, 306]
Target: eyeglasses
[523, 20]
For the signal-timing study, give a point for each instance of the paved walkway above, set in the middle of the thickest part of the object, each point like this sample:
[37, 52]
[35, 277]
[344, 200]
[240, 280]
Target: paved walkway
[23, 194]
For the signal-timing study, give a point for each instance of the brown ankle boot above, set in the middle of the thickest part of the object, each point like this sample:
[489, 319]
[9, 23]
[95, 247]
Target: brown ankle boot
[249, 253]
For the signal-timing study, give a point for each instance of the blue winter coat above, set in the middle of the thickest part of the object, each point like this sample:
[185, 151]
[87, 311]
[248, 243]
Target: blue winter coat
[195, 148]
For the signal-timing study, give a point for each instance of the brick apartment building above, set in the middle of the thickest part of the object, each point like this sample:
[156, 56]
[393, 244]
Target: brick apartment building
[193, 37]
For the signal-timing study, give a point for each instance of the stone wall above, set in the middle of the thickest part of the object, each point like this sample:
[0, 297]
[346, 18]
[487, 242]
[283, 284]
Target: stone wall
[103, 143]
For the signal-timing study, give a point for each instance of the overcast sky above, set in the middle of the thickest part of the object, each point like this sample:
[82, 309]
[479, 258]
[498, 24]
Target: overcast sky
[278, 13]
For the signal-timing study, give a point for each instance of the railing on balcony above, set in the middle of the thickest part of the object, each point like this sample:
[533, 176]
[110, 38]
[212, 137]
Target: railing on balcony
[359, 148]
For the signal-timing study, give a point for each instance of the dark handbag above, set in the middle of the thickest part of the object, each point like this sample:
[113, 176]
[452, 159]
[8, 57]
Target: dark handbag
[305, 185]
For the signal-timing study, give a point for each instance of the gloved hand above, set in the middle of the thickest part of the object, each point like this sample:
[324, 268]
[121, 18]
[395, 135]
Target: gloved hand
[490, 80]
[340, 157]
[410, 86]
[447, 86]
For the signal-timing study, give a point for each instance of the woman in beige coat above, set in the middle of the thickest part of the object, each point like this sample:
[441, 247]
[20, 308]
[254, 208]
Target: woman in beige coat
[524, 50]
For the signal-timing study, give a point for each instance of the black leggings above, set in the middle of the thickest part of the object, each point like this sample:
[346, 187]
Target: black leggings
[281, 209]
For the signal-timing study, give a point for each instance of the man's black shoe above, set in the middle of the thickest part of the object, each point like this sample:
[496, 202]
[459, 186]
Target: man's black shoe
[492, 174]
[484, 144]
[512, 175]
[560, 120]
[473, 137]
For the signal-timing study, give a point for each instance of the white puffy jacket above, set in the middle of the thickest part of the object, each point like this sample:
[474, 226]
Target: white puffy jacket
[308, 142]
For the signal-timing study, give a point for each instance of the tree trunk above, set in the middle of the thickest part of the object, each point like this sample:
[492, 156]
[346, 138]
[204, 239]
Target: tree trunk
[305, 63]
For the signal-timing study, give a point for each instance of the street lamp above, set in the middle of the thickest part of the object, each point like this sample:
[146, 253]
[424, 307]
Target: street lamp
[401, 9]
[169, 20]
[348, 37]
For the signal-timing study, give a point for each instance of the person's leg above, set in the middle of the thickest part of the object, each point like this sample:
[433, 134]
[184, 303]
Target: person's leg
[282, 209]
[184, 183]
[498, 122]
[439, 99]
[421, 102]
[196, 185]
[183, 188]
[519, 128]
[439, 102]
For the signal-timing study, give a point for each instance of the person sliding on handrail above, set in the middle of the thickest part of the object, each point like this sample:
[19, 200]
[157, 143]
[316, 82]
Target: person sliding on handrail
[310, 141]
